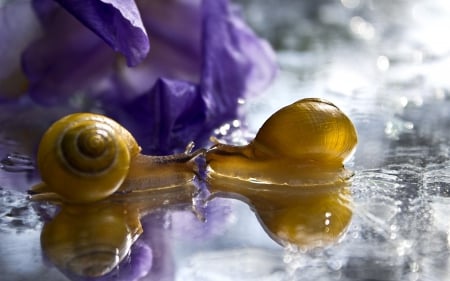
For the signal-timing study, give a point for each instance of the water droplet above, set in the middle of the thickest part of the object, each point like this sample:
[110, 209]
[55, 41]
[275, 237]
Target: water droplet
[350, 4]
[362, 28]
[383, 63]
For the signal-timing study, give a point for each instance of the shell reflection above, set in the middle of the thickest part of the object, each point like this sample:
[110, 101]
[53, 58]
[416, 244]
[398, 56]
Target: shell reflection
[305, 216]
[90, 240]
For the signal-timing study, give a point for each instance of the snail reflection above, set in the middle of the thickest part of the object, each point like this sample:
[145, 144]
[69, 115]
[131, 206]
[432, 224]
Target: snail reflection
[90, 240]
[304, 216]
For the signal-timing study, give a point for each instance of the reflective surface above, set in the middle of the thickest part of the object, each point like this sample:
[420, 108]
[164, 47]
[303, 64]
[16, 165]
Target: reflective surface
[385, 64]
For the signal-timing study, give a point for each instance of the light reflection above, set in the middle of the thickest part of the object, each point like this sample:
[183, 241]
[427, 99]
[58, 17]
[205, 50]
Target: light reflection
[432, 25]
[383, 63]
[362, 28]
[350, 4]
[346, 81]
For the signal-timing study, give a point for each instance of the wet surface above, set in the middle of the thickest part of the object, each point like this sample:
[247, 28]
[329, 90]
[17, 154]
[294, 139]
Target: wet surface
[385, 64]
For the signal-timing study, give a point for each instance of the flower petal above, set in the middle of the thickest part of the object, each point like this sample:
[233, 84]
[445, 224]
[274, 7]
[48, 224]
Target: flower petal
[118, 22]
[164, 119]
[67, 59]
[204, 59]
[236, 61]
[175, 31]
[18, 27]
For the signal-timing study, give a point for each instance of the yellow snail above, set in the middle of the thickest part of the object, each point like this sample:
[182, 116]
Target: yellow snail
[292, 173]
[86, 157]
[304, 143]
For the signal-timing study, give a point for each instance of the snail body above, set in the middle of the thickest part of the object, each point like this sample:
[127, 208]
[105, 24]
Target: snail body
[301, 144]
[87, 157]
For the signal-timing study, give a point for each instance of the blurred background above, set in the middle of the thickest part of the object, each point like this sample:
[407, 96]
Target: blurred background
[385, 64]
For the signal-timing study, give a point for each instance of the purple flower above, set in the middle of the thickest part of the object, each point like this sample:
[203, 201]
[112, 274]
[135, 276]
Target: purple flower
[203, 59]
[118, 22]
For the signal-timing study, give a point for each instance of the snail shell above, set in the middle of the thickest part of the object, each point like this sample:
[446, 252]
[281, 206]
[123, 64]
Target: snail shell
[301, 144]
[307, 129]
[85, 157]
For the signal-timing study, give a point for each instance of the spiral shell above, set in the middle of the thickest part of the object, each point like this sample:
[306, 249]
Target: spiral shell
[85, 157]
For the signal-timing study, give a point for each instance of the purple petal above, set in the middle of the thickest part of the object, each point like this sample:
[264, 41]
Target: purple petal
[118, 22]
[218, 214]
[139, 263]
[203, 60]
[18, 27]
[236, 61]
[223, 61]
[67, 59]
[156, 236]
[164, 119]
[175, 32]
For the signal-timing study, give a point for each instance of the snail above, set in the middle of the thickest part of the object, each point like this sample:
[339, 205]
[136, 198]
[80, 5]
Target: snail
[303, 143]
[90, 240]
[85, 157]
[292, 173]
